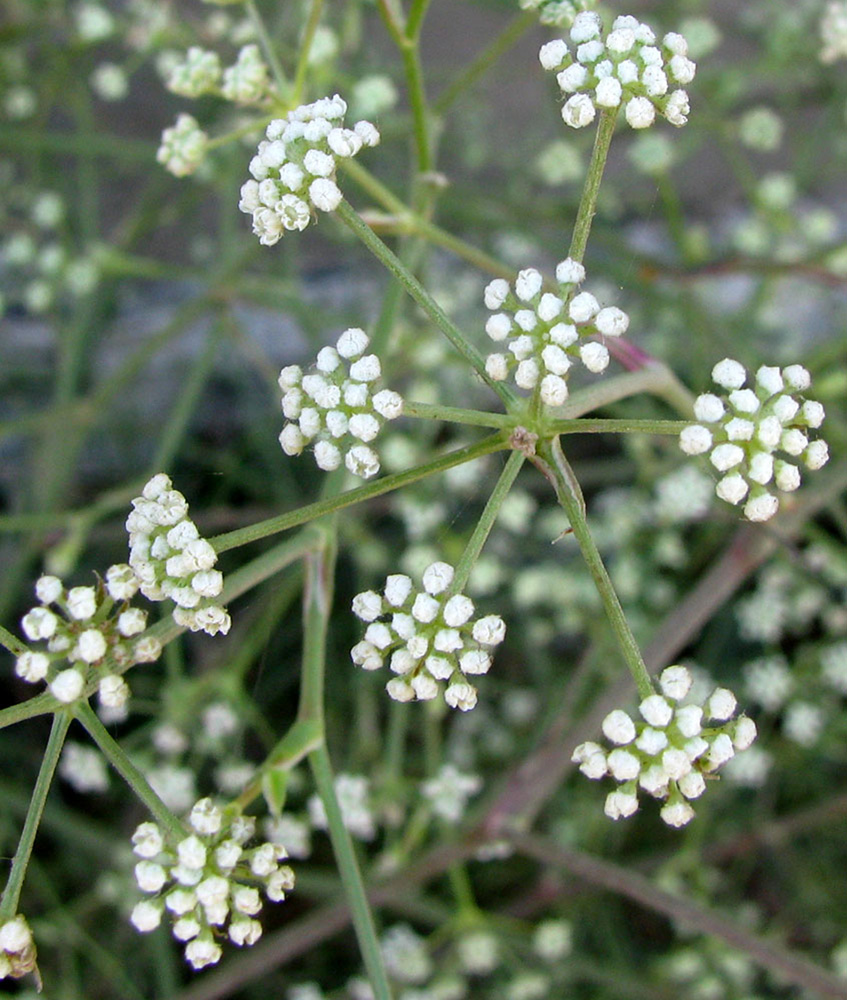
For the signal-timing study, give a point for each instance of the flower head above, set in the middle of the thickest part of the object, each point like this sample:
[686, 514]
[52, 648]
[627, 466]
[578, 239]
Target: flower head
[88, 633]
[545, 334]
[431, 636]
[625, 69]
[172, 561]
[743, 429]
[669, 750]
[294, 168]
[339, 408]
[17, 949]
[207, 880]
[183, 146]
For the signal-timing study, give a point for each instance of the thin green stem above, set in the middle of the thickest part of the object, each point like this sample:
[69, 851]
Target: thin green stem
[11, 642]
[116, 756]
[588, 201]
[486, 521]
[12, 892]
[312, 23]
[317, 607]
[268, 49]
[600, 426]
[414, 22]
[413, 287]
[552, 462]
[328, 505]
[457, 415]
[418, 105]
[485, 60]
[351, 878]
[317, 604]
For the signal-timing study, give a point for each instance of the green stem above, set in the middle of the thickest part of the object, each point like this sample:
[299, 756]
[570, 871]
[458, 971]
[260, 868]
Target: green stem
[413, 287]
[328, 505]
[12, 892]
[305, 49]
[600, 426]
[317, 607]
[483, 62]
[116, 756]
[268, 49]
[555, 467]
[486, 521]
[588, 201]
[351, 878]
[457, 415]
[11, 642]
[418, 104]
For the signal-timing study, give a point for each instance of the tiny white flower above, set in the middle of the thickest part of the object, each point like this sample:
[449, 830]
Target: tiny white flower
[595, 357]
[48, 589]
[761, 507]
[619, 727]
[677, 813]
[620, 804]
[32, 666]
[675, 682]
[67, 686]
[729, 374]
[461, 695]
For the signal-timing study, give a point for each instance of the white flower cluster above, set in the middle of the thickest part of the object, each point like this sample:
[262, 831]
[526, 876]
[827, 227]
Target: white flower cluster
[741, 432]
[206, 881]
[197, 73]
[245, 82]
[432, 637]
[627, 69]
[557, 12]
[17, 949]
[295, 166]
[668, 754]
[183, 147]
[833, 30]
[85, 639]
[544, 332]
[172, 561]
[335, 409]
[448, 792]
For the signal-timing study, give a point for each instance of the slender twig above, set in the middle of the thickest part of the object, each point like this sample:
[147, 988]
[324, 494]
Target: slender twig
[12, 892]
[415, 289]
[623, 882]
[588, 201]
[328, 505]
[115, 754]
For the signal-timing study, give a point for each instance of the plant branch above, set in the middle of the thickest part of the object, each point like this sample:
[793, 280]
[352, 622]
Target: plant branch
[20, 862]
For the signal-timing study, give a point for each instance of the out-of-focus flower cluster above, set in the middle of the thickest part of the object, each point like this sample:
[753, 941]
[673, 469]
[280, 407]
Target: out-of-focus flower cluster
[88, 631]
[742, 430]
[246, 81]
[335, 409]
[431, 635]
[207, 881]
[183, 147]
[17, 949]
[669, 753]
[558, 12]
[172, 561]
[833, 30]
[626, 69]
[295, 165]
[544, 332]
[38, 267]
